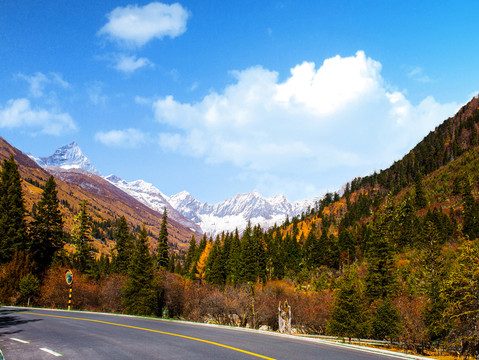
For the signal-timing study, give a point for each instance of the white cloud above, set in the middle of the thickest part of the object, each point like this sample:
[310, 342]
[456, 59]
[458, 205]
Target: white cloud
[19, 113]
[39, 81]
[129, 64]
[321, 126]
[417, 74]
[95, 93]
[121, 138]
[135, 26]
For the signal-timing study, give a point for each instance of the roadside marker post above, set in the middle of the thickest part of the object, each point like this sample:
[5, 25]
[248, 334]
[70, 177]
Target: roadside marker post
[69, 280]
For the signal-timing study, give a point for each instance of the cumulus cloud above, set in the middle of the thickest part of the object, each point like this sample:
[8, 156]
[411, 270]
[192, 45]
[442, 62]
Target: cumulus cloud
[39, 81]
[129, 64]
[135, 25]
[19, 113]
[338, 115]
[129, 138]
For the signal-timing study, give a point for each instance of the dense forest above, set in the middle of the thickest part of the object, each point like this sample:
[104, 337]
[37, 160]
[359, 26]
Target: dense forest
[394, 257]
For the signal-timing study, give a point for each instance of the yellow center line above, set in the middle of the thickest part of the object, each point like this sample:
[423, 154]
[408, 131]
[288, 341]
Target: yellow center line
[159, 332]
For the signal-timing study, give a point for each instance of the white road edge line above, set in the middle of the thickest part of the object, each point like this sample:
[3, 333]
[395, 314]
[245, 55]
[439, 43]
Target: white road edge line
[20, 340]
[54, 353]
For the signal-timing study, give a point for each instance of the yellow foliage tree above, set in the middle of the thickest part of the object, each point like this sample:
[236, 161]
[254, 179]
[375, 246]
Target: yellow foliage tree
[201, 264]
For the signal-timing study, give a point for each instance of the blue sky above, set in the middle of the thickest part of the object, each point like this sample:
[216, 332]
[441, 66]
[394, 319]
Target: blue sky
[226, 97]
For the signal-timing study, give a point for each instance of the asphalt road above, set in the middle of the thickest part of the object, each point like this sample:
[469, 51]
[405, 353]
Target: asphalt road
[48, 334]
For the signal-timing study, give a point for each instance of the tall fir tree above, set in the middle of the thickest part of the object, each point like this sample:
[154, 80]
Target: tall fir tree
[386, 322]
[190, 255]
[81, 234]
[139, 295]
[215, 272]
[47, 236]
[419, 198]
[123, 246]
[381, 276]
[348, 318]
[162, 253]
[234, 260]
[13, 228]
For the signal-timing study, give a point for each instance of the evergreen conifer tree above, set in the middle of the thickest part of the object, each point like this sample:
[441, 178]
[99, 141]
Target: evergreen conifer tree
[13, 229]
[48, 236]
[420, 197]
[81, 234]
[162, 254]
[380, 279]
[190, 254]
[124, 246]
[234, 260]
[387, 321]
[248, 264]
[215, 266]
[139, 296]
[348, 318]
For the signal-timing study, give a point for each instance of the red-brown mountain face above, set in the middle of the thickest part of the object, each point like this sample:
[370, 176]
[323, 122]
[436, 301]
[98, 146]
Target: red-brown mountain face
[106, 202]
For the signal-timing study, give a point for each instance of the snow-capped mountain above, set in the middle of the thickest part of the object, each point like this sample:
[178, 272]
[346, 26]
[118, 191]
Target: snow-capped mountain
[233, 213]
[237, 211]
[68, 157]
[149, 195]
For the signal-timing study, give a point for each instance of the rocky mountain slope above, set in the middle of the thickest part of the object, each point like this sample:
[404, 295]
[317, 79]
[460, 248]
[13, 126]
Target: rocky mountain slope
[106, 201]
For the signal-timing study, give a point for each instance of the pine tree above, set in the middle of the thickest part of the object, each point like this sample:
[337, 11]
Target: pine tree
[81, 234]
[190, 254]
[139, 296]
[124, 246]
[234, 260]
[420, 197]
[276, 256]
[380, 279]
[162, 254]
[346, 246]
[387, 321]
[215, 265]
[48, 236]
[348, 318]
[13, 229]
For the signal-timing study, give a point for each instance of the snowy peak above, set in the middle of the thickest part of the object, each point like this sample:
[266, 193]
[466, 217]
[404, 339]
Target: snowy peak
[235, 212]
[149, 195]
[68, 157]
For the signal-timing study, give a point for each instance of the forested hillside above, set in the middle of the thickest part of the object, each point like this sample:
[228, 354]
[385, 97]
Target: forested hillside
[396, 257]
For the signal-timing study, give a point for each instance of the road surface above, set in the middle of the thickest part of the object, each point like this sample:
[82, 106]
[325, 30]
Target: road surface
[49, 334]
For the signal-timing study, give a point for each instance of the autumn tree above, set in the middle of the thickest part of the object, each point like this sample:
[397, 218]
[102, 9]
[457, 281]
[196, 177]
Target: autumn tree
[461, 290]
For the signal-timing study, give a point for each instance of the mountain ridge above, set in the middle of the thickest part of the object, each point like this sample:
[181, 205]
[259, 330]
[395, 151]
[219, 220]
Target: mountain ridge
[226, 216]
